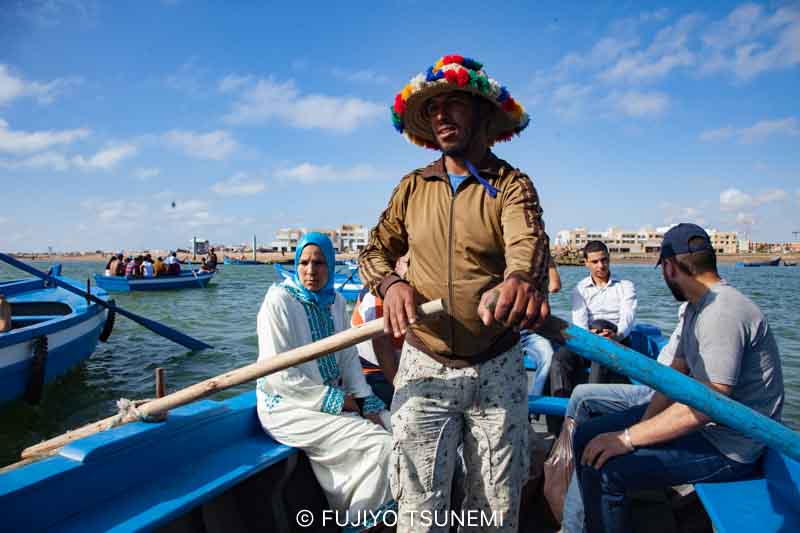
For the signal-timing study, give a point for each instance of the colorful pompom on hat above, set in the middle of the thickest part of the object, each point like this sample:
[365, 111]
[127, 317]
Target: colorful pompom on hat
[455, 73]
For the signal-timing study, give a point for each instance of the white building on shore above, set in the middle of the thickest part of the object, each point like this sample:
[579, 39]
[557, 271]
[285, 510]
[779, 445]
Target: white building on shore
[348, 238]
[642, 241]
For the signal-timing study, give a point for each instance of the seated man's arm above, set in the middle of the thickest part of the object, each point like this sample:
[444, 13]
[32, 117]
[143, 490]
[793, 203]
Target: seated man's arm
[659, 402]
[580, 312]
[627, 309]
[675, 421]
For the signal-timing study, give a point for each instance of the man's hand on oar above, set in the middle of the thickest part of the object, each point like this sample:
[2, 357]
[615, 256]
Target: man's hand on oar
[516, 303]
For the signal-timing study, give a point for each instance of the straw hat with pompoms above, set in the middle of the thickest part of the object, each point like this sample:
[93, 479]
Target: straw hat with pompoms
[455, 73]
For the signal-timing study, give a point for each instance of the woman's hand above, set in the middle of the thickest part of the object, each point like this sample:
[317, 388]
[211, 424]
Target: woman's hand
[375, 418]
[350, 404]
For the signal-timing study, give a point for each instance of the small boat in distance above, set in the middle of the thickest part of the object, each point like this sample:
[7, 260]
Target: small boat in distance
[347, 284]
[242, 261]
[775, 261]
[232, 261]
[52, 331]
[192, 279]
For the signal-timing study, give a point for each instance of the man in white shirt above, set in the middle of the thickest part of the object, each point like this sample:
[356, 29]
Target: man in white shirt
[602, 304]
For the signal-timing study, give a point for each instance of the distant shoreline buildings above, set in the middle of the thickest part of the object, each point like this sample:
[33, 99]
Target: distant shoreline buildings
[352, 238]
[648, 241]
[347, 238]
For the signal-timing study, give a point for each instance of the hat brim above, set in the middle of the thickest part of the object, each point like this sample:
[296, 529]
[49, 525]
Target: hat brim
[501, 124]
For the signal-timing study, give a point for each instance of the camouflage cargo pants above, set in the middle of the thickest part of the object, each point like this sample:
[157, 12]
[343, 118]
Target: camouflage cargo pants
[436, 408]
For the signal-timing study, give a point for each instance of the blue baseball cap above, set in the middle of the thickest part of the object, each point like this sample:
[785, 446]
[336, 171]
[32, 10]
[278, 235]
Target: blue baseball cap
[676, 241]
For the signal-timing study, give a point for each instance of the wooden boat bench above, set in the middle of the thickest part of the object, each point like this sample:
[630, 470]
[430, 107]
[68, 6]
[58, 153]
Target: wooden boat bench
[144, 476]
[768, 502]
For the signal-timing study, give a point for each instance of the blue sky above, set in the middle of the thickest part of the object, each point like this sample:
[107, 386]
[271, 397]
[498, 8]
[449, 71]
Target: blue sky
[252, 117]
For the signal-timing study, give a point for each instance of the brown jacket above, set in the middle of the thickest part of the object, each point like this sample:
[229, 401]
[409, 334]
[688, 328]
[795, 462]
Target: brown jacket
[461, 246]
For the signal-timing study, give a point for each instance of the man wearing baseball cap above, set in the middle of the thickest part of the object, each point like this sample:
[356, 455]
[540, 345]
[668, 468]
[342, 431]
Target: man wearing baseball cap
[473, 225]
[726, 344]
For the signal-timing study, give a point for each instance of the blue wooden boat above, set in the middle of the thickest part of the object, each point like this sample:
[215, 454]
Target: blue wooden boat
[775, 261]
[232, 261]
[210, 466]
[185, 280]
[52, 331]
[347, 284]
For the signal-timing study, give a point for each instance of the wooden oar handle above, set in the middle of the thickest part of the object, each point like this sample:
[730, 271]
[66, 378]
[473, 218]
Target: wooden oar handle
[245, 374]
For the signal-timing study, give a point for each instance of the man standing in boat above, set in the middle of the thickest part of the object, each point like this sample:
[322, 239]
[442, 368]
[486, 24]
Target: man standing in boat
[473, 225]
[726, 344]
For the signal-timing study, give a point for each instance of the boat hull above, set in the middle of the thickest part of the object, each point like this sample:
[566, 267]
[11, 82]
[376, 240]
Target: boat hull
[71, 338]
[771, 263]
[186, 280]
[208, 454]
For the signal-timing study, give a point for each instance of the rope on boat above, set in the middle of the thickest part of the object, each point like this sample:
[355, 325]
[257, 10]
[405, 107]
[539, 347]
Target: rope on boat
[128, 410]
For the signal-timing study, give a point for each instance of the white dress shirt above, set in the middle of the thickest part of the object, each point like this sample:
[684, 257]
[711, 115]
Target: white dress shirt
[616, 302]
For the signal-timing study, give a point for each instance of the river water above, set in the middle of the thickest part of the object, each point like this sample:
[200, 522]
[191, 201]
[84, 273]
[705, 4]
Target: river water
[224, 315]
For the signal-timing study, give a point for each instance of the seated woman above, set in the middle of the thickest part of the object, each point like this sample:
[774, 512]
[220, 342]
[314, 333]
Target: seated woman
[324, 407]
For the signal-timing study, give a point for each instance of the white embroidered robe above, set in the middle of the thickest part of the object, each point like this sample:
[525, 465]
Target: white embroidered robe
[302, 407]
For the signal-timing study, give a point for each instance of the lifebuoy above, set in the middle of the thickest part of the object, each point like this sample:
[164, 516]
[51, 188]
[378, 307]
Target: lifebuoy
[109, 325]
[33, 392]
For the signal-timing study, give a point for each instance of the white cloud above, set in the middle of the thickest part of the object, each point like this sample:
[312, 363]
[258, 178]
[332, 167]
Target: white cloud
[232, 82]
[308, 173]
[44, 160]
[19, 142]
[746, 219]
[238, 185]
[190, 79]
[668, 50]
[360, 76]
[771, 195]
[105, 159]
[639, 104]
[733, 199]
[797, 196]
[757, 132]
[268, 100]
[571, 101]
[191, 213]
[54, 12]
[13, 87]
[216, 145]
[145, 174]
[718, 134]
[115, 212]
[677, 214]
[767, 128]
[750, 41]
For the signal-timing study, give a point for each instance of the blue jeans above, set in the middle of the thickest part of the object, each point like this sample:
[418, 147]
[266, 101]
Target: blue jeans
[540, 351]
[587, 401]
[687, 459]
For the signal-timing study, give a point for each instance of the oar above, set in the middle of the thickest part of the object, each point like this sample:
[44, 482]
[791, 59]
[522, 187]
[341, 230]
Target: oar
[161, 329]
[302, 354]
[341, 287]
[672, 383]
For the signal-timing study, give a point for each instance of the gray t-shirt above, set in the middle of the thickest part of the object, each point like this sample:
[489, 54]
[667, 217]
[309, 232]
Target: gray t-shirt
[727, 340]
